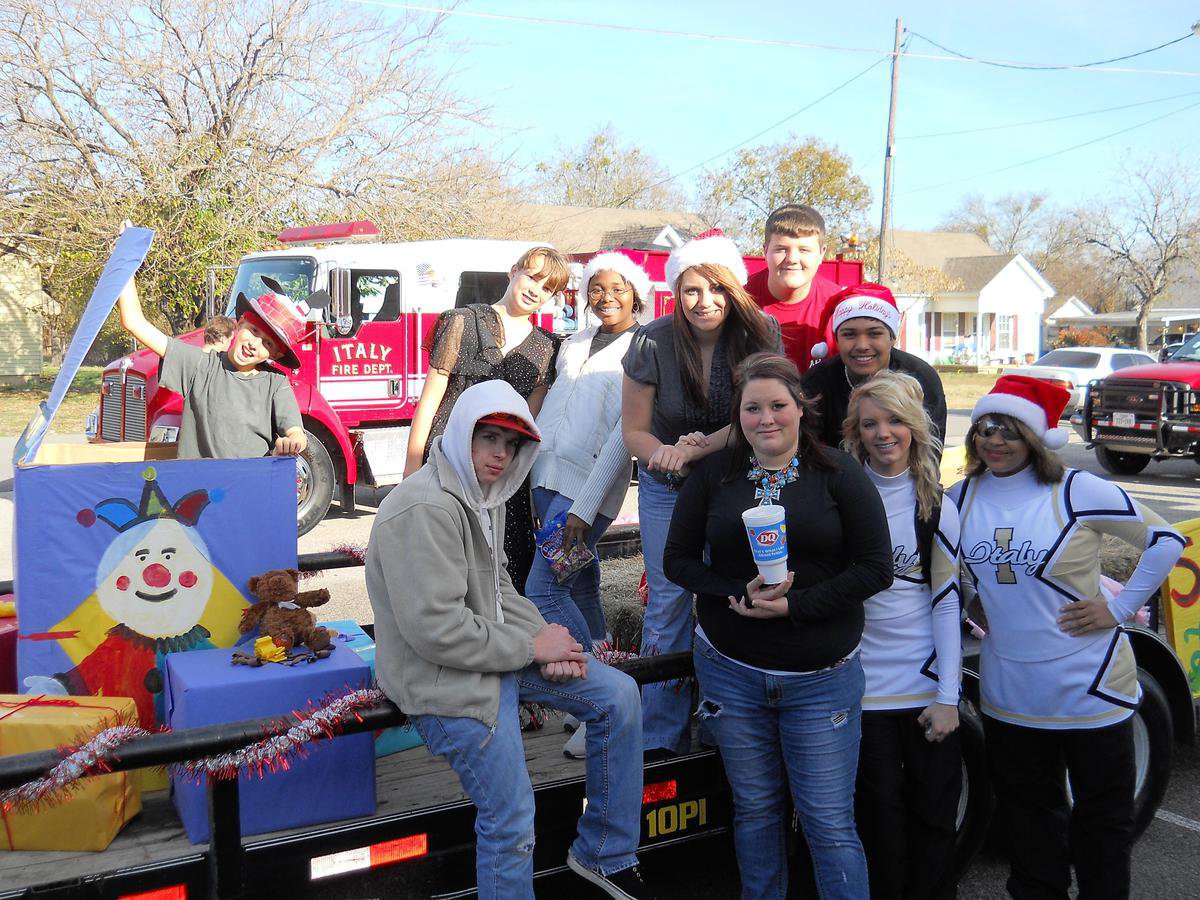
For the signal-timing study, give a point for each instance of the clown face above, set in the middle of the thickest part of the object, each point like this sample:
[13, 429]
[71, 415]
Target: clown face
[156, 579]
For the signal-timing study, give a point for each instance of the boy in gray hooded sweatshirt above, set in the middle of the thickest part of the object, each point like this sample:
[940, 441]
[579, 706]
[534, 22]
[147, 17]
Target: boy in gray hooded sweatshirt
[459, 649]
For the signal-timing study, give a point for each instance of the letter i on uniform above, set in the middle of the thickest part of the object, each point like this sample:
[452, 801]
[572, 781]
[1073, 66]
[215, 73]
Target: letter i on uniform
[1004, 571]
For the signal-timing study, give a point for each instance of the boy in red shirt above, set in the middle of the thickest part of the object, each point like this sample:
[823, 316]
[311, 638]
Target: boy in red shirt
[789, 288]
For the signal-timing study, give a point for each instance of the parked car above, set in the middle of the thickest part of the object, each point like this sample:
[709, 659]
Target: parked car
[1074, 367]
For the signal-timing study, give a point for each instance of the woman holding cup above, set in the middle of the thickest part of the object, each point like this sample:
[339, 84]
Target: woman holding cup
[781, 684]
[675, 411]
[910, 764]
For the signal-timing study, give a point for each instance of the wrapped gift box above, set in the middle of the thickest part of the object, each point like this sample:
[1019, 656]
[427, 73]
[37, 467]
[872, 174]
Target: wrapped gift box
[8, 651]
[334, 779]
[89, 817]
[351, 635]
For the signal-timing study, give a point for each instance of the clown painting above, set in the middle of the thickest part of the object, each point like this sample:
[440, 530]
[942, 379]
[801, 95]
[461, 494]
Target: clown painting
[156, 591]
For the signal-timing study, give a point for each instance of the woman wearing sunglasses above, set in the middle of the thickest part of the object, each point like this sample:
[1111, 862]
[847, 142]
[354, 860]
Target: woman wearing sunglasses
[1058, 677]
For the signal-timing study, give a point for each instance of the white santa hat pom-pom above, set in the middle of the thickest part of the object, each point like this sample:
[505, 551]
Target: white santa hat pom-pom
[819, 351]
[1056, 438]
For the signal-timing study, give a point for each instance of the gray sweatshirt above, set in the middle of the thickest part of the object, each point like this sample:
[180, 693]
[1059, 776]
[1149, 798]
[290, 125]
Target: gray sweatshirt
[447, 618]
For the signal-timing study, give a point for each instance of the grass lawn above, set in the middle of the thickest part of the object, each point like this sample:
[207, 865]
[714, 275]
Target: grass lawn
[964, 388]
[18, 404]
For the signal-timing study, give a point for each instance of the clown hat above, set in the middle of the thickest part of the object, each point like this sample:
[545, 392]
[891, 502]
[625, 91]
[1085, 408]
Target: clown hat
[613, 261]
[1036, 403]
[711, 248]
[278, 314]
[862, 301]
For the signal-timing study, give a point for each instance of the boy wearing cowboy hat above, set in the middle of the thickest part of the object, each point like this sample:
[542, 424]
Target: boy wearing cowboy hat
[234, 406]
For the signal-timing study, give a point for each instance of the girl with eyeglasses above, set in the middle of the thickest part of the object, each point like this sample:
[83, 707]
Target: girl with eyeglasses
[910, 763]
[583, 467]
[1059, 683]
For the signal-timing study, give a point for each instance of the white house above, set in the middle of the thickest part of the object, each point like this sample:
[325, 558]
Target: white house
[993, 313]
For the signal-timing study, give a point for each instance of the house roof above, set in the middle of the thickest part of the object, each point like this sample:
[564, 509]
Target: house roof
[583, 229]
[976, 271]
[933, 248]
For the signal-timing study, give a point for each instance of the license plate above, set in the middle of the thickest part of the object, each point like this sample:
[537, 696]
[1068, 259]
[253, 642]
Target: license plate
[1123, 420]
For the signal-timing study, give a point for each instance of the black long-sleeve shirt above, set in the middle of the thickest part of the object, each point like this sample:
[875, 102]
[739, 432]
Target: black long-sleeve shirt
[827, 382]
[838, 548]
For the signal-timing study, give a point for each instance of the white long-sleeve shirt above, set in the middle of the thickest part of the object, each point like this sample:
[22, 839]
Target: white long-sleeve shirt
[912, 645]
[1030, 550]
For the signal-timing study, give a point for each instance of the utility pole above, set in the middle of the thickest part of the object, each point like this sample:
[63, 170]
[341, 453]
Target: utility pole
[886, 224]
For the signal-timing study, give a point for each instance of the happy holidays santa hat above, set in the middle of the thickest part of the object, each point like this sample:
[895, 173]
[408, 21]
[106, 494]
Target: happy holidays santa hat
[613, 261]
[711, 247]
[1036, 403]
[862, 301]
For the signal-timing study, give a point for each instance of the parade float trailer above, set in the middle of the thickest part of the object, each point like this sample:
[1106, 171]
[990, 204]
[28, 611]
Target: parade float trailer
[361, 364]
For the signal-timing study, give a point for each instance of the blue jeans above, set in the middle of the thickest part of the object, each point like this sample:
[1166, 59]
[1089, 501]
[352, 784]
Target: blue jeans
[574, 604]
[668, 625]
[490, 763]
[778, 732]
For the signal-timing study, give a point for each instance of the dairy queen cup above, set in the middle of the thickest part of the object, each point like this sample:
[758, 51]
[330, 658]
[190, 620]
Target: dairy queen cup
[767, 532]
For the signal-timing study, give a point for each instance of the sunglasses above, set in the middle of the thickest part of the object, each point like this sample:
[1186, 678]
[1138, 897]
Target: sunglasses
[985, 428]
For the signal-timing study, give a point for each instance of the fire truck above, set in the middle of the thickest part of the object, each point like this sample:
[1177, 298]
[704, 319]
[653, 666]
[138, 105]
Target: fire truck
[361, 364]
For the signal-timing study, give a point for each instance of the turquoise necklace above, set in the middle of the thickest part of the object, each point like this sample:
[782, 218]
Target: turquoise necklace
[768, 483]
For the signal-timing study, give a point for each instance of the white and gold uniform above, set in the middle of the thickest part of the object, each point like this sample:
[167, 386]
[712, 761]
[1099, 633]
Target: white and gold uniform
[911, 643]
[1030, 549]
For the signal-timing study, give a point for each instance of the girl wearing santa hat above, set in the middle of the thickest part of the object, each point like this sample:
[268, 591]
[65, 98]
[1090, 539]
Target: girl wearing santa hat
[864, 321]
[1059, 682]
[582, 466]
[675, 411]
[910, 763]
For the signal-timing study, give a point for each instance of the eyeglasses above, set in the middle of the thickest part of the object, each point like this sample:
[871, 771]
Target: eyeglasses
[985, 428]
[617, 293]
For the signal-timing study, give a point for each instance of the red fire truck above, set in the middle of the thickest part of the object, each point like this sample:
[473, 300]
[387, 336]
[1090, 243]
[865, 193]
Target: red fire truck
[361, 366]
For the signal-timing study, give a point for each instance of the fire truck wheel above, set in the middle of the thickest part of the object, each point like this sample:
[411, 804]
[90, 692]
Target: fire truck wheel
[315, 479]
[1121, 463]
[1153, 741]
[976, 802]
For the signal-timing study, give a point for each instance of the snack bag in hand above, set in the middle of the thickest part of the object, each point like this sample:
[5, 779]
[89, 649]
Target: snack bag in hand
[563, 562]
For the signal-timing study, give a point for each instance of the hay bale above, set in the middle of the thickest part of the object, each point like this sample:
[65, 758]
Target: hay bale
[1118, 559]
[623, 610]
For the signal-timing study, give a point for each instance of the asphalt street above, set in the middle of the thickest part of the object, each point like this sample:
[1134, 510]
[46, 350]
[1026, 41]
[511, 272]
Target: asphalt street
[1166, 860]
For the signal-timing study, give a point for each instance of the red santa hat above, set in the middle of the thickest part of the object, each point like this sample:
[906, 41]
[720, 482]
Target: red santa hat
[862, 301]
[711, 247]
[1036, 403]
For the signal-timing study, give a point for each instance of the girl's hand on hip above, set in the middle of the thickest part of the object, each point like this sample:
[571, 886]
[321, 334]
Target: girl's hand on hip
[1086, 616]
[940, 720]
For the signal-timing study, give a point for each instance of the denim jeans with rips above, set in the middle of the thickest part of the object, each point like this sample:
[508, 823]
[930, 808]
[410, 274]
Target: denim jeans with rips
[788, 733]
[490, 763]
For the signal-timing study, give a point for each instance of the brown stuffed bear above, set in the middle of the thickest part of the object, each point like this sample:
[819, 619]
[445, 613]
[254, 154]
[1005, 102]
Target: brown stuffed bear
[281, 611]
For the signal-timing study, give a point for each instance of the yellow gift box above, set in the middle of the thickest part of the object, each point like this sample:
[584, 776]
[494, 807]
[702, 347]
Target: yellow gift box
[88, 817]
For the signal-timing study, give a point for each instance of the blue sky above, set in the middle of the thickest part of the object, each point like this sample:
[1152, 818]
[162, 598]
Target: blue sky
[685, 99]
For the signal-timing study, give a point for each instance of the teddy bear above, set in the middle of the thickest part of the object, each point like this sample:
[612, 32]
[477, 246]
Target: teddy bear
[281, 612]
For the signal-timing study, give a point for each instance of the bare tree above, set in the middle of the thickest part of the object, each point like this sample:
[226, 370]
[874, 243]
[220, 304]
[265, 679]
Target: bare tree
[1146, 230]
[605, 171]
[1012, 223]
[217, 120]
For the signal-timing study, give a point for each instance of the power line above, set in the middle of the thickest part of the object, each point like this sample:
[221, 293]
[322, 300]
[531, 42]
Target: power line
[728, 150]
[1046, 156]
[763, 42]
[1042, 67]
[1091, 112]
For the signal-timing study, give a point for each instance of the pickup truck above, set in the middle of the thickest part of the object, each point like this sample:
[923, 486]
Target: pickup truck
[421, 843]
[1144, 413]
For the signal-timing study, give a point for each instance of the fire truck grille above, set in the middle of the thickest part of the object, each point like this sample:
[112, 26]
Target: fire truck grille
[132, 400]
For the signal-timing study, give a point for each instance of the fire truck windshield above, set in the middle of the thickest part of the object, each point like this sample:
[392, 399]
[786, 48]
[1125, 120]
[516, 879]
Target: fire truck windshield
[294, 274]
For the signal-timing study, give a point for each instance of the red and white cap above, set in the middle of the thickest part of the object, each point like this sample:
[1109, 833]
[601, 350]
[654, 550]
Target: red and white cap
[279, 314]
[711, 247]
[862, 301]
[1032, 401]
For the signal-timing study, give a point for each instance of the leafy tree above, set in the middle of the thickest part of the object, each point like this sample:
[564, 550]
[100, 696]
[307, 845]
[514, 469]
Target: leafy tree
[604, 171]
[216, 121]
[739, 196]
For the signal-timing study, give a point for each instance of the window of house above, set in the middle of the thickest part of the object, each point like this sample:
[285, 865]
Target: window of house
[1004, 335]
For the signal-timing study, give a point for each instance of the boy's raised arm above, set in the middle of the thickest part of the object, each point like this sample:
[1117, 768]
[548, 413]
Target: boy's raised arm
[133, 320]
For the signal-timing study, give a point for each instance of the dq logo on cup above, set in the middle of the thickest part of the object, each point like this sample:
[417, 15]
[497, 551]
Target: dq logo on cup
[768, 543]
[767, 538]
